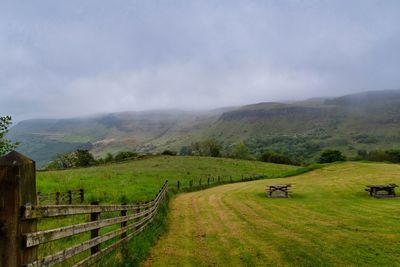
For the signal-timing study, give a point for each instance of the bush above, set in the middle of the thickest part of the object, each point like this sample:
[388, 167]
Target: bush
[329, 156]
[125, 155]
[168, 153]
[274, 157]
[394, 155]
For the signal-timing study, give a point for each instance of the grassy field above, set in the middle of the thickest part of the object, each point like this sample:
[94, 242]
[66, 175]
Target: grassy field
[140, 180]
[329, 221]
[134, 181]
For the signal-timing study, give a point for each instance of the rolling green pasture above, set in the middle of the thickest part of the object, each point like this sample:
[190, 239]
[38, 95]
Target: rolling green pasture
[136, 181]
[140, 180]
[328, 221]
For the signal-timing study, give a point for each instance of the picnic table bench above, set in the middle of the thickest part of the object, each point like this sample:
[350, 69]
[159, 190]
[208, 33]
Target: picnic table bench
[278, 190]
[376, 190]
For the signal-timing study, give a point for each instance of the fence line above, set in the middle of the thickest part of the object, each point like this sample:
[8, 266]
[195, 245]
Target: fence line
[19, 213]
[59, 198]
[198, 184]
[144, 217]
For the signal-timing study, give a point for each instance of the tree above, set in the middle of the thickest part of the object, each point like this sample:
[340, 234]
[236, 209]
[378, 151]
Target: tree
[213, 147]
[83, 158]
[5, 144]
[109, 157]
[329, 156]
[241, 151]
[378, 155]
[209, 147]
[62, 161]
[125, 155]
[362, 153]
[394, 155]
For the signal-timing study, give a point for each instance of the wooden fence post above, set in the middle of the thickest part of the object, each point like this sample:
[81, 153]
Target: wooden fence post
[178, 185]
[123, 224]
[38, 198]
[17, 190]
[69, 197]
[57, 198]
[81, 194]
[94, 216]
[138, 219]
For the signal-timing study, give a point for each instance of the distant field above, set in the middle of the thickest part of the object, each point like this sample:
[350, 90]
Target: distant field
[329, 221]
[140, 180]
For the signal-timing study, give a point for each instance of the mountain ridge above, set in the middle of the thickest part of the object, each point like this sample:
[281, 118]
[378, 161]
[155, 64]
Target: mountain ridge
[316, 123]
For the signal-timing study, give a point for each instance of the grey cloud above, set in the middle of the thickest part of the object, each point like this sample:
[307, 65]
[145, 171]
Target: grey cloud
[78, 57]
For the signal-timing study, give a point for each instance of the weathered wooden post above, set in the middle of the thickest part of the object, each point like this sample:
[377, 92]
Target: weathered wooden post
[17, 190]
[57, 198]
[138, 219]
[38, 198]
[69, 197]
[123, 224]
[94, 216]
[81, 194]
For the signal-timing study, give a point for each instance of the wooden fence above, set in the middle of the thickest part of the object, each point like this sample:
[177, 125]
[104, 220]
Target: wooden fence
[58, 198]
[202, 183]
[19, 213]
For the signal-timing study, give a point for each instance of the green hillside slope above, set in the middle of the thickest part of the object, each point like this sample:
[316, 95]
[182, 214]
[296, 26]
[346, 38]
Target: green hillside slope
[301, 129]
[139, 180]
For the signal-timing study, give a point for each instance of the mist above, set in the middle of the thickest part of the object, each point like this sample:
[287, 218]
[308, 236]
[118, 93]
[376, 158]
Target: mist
[65, 59]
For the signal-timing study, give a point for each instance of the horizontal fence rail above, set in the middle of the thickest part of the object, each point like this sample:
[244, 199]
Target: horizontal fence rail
[142, 216]
[58, 198]
[31, 212]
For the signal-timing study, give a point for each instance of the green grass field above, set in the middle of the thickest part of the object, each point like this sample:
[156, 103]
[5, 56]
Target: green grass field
[329, 221]
[140, 180]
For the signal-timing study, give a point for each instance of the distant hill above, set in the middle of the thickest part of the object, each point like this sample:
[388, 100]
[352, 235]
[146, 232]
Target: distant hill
[300, 129]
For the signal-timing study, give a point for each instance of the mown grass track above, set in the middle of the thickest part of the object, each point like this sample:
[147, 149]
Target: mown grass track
[328, 221]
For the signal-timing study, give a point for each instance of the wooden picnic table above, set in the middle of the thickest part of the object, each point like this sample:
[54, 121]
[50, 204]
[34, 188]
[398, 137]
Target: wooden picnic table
[283, 189]
[376, 190]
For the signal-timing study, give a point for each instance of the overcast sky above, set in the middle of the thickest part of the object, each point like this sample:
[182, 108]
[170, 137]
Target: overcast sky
[70, 58]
